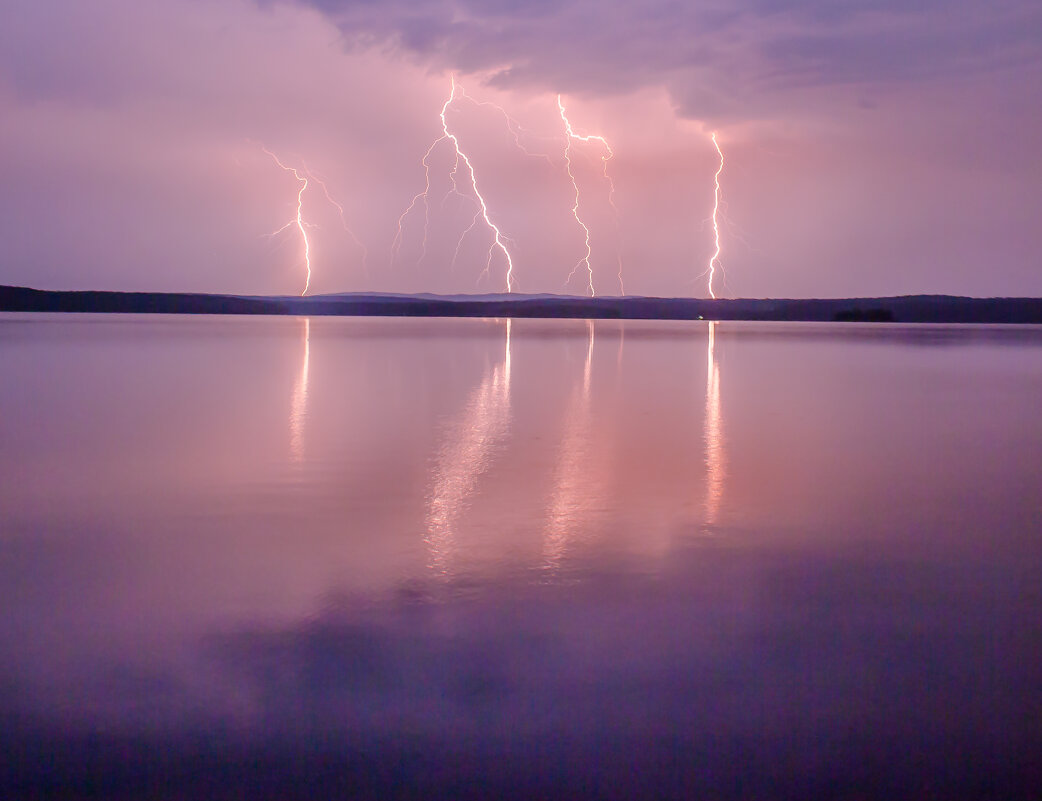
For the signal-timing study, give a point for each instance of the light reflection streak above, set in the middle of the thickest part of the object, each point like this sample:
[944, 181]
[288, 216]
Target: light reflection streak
[618, 356]
[298, 408]
[569, 502]
[465, 455]
[714, 433]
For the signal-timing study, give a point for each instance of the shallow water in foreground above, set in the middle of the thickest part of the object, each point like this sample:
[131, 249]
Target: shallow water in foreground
[281, 557]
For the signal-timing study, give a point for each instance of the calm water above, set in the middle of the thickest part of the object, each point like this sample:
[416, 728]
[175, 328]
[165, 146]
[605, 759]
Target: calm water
[274, 557]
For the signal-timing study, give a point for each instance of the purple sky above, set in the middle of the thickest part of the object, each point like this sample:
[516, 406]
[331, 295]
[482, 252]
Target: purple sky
[872, 147]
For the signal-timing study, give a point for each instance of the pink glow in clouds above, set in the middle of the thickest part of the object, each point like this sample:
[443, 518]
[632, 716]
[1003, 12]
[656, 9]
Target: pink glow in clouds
[860, 144]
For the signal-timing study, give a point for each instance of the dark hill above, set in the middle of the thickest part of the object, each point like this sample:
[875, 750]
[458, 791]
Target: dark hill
[904, 309]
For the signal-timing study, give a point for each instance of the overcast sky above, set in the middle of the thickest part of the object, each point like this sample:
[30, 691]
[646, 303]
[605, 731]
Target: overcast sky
[872, 147]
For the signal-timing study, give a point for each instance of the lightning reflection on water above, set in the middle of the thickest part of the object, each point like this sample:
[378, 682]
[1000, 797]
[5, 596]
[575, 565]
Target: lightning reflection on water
[298, 408]
[714, 433]
[468, 451]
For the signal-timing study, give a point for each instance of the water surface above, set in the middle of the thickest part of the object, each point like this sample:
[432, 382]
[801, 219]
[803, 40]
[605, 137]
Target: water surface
[290, 557]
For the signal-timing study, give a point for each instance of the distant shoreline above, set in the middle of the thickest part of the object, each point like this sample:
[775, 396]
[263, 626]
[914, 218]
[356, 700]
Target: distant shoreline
[902, 309]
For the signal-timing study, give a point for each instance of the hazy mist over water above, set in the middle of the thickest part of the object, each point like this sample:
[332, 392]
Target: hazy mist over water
[578, 558]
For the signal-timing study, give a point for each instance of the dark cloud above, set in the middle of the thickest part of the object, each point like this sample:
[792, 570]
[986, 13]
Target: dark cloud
[730, 54]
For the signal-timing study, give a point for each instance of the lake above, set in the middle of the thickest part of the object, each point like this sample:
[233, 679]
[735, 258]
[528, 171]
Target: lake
[253, 557]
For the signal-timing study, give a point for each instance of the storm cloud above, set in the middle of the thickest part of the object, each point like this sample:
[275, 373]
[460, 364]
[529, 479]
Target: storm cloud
[731, 59]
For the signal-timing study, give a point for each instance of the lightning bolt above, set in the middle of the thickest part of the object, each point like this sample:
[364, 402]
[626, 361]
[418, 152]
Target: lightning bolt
[575, 206]
[497, 236]
[605, 158]
[714, 259]
[299, 220]
[516, 131]
[306, 177]
[482, 213]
